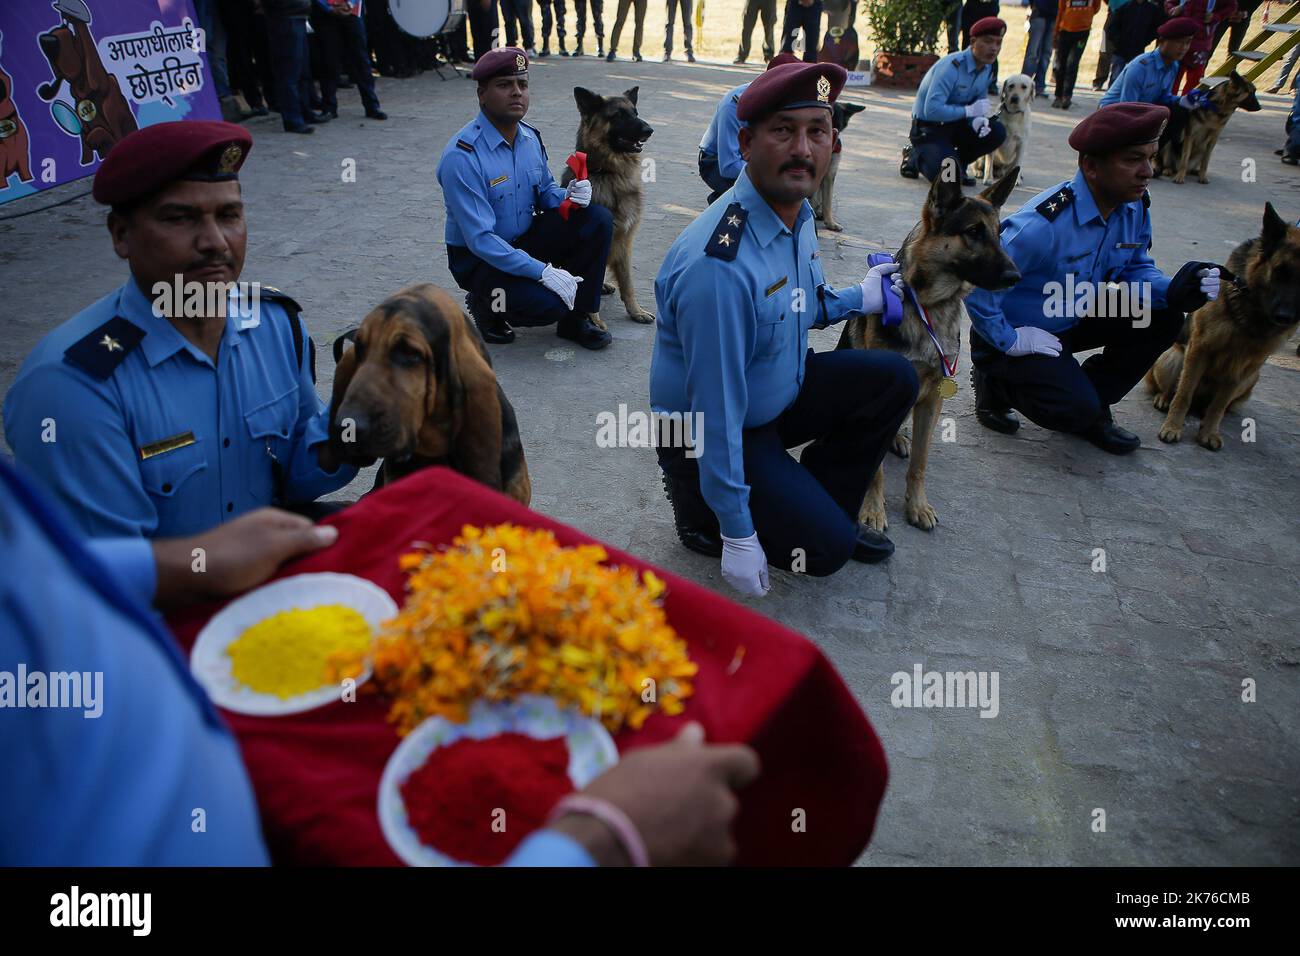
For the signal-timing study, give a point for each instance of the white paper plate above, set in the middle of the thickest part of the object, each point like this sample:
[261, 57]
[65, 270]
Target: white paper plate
[591, 753]
[211, 664]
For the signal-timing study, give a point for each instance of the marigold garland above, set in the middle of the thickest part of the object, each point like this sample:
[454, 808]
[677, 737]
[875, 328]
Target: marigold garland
[507, 611]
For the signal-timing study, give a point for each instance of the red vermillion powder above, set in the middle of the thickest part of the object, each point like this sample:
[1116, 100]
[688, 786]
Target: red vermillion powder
[453, 799]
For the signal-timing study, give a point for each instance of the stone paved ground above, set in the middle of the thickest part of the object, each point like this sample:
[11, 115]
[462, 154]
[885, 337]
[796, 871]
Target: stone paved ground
[1118, 690]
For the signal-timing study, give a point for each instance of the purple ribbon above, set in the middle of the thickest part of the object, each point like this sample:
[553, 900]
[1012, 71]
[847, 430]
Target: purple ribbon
[893, 314]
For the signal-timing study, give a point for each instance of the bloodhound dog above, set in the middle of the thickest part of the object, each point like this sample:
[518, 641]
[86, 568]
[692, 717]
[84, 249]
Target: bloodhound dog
[417, 389]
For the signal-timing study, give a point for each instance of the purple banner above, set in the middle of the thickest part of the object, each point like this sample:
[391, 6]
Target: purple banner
[78, 75]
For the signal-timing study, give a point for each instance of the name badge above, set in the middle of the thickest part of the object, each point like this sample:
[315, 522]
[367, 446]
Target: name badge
[776, 286]
[1128, 245]
[167, 444]
[498, 181]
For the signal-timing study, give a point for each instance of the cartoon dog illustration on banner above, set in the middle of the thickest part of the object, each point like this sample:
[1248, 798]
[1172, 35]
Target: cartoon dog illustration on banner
[15, 147]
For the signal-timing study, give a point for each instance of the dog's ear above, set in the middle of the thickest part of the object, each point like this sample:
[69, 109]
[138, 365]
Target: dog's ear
[1274, 229]
[631, 94]
[852, 109]
[476, 412]
[588, 102]
[945, 194]
[345, 366]
[997, 194]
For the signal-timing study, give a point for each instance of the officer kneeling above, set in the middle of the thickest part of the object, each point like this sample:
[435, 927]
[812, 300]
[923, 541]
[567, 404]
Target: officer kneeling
[737, 294]
[507, 244]
[950, 118]
[1088, 281]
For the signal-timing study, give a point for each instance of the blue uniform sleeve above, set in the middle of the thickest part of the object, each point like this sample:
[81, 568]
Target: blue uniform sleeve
[304, 478]
[69, 432]
[841, 303]
[549, 193]
[936, 108]
[716, 325]
[132, 560]
[730, 162]
[462, 191]
[1142, 268]
[1029, 243]
[549, 848]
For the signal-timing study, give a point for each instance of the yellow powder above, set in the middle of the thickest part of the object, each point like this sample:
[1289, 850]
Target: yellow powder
[286, 654]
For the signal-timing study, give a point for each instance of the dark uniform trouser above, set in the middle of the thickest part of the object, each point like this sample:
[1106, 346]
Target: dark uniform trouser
[932, 143]
[483, 23]
[597, 9]
[1059, 393]
[547, 20]
[344, 47]
[638, 24]
[752, 10]
[688, 28]
[288, 37]
[580, 245]
[850, 407]
[712, 177]
[809, 18]
[521, 11]
[1069, 51]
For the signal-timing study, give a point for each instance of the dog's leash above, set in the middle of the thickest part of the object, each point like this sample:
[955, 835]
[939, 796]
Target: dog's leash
[893, 315]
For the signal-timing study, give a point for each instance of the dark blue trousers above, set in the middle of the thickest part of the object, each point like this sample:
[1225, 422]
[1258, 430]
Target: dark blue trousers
[1062, 394]
[344, 47]
[580, 245]
[932, 143]
[809, 19]
[806, 512]
[712, 177]
[288, 36]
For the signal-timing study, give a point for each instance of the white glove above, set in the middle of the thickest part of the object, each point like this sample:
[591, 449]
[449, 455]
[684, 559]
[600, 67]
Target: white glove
[1209, 283]
[873, 301]
[981, 125]
[579, 192]
[979, 108]
[744, 565]
[1033, 341]
[564, 284]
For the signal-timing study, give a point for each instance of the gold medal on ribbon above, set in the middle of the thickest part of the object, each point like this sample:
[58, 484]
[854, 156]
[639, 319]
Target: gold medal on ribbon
[947, 387]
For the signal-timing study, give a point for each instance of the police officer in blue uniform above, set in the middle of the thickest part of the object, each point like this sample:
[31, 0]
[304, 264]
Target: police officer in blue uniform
[1149, 78]
[1088, 281]
[737, 294]
[720, 160]
[151, 416]
[951, 115]
[508, 245]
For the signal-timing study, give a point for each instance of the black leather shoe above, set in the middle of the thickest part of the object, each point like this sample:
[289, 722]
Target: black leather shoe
[990, 413]
[1108, 436]
[906, 168]
[304, 128]
[491, 325]
[967, 180]
[577, 327]
[316, 118]
[376, 114]
[872, 546]
[697, 526]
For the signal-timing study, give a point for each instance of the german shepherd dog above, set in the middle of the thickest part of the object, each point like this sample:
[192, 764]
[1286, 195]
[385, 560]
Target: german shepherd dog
[1215, 364]
[953, 250]
[1192, 148]
[822, 199]
[417, 389]
[612, 134]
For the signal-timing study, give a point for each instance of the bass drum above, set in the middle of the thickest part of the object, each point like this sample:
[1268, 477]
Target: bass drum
[427, 18]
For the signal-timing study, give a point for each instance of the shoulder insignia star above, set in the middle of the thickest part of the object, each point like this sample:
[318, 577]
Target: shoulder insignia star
[725, 243]
[103, 350]
[110, 343]
[733, 220]
[724, 238]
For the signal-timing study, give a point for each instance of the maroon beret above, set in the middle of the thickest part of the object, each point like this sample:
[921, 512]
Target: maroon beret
[791, 86]
[1119, 125]
[146, 160]
[986, 25]
[1179, 28]
[781, 59]
[503, 61]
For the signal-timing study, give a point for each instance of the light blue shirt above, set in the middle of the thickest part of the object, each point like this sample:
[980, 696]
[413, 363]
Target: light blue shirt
[722, 138]
[1060, 232]
[120, 788]
[731, 336]
[951, 85]
[491, 191]
[253, 411]
[1144, 79]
